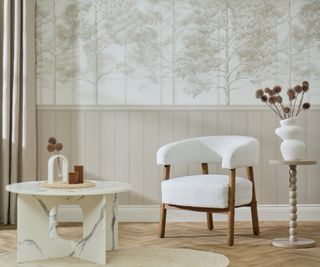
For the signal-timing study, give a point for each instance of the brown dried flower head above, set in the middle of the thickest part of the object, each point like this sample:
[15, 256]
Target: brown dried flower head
[52, 140]
[264, 99]
[291, 94]
[259, 93]
[305, 86]
[267, 90]
[278, 99]
[277, 89]
[298, 89]
[286, 110]
[51, 147]
[59, 146]
[306, 106]
[272, 99]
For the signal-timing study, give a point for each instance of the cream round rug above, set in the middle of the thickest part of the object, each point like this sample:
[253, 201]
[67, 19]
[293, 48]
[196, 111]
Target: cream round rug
[136, 257]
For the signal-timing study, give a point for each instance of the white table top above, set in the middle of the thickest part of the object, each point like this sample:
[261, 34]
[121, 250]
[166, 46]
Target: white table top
[292, 162]
[101, 188]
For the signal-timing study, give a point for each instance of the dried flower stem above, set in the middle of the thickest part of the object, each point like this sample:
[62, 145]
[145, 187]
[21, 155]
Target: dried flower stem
[294, 105]
[59, 164]
[278, 111]
[274, 110]
[300, 104]
[281, 104]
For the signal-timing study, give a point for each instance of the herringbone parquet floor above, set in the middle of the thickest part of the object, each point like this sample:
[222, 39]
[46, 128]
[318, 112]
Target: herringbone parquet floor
[248, 250]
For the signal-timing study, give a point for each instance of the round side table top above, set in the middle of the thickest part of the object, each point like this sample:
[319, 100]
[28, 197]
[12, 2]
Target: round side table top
[292, 162]
[101, 188]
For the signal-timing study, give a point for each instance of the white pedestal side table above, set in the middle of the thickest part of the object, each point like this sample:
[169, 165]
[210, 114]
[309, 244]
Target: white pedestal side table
[37, 237]
[293, 241]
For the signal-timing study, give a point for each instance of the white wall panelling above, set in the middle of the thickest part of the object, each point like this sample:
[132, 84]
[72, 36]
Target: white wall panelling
[150, 213]
[120, 143]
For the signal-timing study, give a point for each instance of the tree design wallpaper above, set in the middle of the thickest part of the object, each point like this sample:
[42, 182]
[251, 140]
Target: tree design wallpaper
[174, 52]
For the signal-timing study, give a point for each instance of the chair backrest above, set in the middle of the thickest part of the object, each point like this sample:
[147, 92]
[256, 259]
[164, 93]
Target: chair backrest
[231, 151]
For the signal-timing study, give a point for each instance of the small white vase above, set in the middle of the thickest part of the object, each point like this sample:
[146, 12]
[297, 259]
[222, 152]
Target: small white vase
[292, 148]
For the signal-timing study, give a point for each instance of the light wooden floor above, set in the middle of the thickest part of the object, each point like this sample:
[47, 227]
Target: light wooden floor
[247, 251]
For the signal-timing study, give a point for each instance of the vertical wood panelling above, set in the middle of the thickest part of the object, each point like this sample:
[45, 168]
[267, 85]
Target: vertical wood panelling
[136, 157]
[121, 151]
[269, 180]
[166, 128]
[122, 146]
[195, 128]
[46, 127]
[77, 137]
[62, 132]
[239, 123]
[210, 128]
[180, 132]
[224, 128]
[107, 145]
[254, 123]
[239, 127]
[313, 182]
[150, 146]
[224, 122]
[92, 144]
[302, 170]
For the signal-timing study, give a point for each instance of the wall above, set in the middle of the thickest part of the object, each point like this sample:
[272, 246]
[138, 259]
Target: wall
[120, 144]
[96, 59]
[174, 52]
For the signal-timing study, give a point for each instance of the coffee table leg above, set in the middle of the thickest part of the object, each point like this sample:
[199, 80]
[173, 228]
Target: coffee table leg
[293, 241]
[36, 215]
[112, 222]
[92, 246]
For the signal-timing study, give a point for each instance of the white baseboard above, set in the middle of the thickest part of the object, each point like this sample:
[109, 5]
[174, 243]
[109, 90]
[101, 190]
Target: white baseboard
[150, 213]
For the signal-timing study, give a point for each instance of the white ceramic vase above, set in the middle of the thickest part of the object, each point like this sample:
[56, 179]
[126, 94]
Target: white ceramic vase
[292, 148]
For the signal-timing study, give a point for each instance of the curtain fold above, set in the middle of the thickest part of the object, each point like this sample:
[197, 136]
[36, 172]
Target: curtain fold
[17, 100]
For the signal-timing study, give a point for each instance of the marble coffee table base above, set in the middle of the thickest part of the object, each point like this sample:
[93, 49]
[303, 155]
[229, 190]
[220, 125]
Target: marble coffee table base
[37, 234]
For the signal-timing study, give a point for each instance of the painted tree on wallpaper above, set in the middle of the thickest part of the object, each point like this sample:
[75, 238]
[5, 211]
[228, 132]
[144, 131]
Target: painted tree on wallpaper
[146, 53]
[117, 52]
[257, 57]
[306, 35]
[57, 28]
[100, 31]
[161, 42]
[43, 59]
[228, 41]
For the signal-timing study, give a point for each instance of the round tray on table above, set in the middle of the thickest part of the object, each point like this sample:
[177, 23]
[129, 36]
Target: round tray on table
[65, 185]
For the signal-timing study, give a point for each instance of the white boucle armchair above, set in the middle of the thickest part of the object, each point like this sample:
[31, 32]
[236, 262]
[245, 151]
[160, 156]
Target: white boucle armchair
[210, 193]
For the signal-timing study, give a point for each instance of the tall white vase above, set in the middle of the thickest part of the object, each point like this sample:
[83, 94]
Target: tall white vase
[292, 148]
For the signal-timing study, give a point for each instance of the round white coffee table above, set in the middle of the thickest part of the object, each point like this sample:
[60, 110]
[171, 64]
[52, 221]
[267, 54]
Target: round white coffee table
[37, 237]
[293, 241]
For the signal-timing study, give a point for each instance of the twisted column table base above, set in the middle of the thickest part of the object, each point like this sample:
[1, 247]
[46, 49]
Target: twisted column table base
[293, 241]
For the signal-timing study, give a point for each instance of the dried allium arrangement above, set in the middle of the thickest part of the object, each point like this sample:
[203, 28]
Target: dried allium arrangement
[54, 146]
[274, 101]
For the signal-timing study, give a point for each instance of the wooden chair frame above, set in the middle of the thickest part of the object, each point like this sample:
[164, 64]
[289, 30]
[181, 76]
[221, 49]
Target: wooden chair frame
[230, 209]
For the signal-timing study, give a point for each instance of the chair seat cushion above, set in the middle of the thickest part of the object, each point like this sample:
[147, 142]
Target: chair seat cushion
[210, 191]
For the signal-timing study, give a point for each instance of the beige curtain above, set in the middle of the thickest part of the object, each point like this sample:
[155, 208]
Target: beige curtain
[17, 100]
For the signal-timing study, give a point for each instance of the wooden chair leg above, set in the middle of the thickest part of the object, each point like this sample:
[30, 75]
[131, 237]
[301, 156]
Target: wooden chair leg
[205, 170]
[163, 211]
[209, 221]
[232, 189]
[163, 216]
[254, 210]
[231, 227]
[255, 220]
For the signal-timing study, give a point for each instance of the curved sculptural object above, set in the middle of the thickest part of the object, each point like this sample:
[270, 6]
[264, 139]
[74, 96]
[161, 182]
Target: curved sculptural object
[64, 162]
